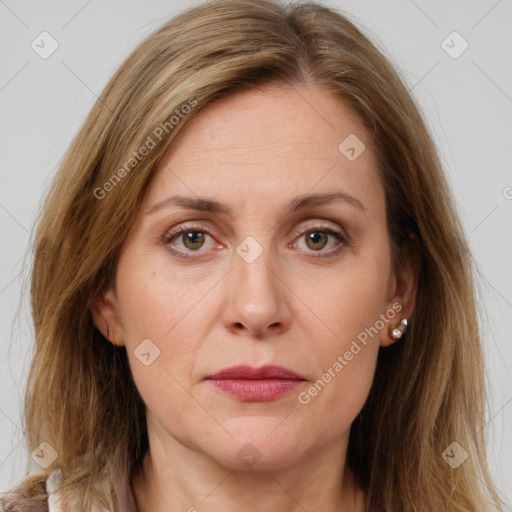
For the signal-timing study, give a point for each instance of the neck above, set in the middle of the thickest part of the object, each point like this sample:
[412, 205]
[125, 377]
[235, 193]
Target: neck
[175, 477]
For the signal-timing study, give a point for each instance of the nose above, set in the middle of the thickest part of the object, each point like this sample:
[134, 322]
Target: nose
[256, 298]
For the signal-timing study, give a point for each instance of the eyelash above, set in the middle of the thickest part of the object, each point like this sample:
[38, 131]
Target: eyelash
[170, 235]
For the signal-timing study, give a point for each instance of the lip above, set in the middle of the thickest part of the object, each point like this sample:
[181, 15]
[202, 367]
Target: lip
[243, 371]
[251, 384]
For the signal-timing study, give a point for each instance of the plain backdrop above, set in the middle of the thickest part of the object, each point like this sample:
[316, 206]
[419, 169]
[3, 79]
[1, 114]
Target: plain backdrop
[462, 82]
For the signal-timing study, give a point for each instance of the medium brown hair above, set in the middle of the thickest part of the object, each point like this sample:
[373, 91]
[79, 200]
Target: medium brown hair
[428, 389]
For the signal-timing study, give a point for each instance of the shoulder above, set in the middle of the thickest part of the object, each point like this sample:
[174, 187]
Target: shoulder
[74, 501]
[52, 483]
[40, 493]
[34, 494]
[30, 495]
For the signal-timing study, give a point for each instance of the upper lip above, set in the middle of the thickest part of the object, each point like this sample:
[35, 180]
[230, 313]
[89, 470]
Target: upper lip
[268, 371]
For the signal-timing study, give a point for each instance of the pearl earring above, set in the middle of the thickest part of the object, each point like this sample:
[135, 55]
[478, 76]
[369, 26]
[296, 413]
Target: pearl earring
[397, 332]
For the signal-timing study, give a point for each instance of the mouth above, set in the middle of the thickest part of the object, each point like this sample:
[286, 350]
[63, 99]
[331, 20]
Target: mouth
[250, 384]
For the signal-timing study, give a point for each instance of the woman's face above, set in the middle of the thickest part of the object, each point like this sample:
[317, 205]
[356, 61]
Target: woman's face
[274, 251]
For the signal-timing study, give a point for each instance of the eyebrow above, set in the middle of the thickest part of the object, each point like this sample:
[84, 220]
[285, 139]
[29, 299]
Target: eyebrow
[210, 205]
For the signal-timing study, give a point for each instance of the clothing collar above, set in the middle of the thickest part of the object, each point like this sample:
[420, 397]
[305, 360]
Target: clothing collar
[124, 499]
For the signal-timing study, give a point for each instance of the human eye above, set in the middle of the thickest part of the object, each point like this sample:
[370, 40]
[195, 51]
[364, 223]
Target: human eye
[186, 239]
[192, 241]
[319, 236]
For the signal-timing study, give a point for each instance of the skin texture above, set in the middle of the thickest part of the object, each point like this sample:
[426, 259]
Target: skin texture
[255, 152]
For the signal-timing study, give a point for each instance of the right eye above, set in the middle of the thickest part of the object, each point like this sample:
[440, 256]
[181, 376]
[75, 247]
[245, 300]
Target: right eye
[189, 239]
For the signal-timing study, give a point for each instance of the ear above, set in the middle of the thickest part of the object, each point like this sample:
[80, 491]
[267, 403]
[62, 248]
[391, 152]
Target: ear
[402, 288]
[104, 311]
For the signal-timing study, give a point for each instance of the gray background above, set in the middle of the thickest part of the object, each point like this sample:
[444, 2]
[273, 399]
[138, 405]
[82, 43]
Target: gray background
[467, 101]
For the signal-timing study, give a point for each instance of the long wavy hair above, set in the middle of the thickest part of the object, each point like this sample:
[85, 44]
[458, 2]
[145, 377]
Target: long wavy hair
[428, 392]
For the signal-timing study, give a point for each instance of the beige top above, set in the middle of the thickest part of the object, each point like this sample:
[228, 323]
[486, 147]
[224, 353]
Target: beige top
[124, 498]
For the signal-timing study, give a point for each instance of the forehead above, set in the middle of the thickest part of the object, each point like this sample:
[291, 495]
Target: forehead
[273, 139]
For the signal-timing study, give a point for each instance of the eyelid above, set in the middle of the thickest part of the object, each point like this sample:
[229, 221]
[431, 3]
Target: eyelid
[175, 232]
[304, 228]
[186, 226]
[301, 229]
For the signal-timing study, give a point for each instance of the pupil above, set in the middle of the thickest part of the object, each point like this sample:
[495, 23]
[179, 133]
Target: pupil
[193, 238]
[316, 238]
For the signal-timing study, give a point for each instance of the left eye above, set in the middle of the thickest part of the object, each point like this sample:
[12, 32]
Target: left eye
[318, 239]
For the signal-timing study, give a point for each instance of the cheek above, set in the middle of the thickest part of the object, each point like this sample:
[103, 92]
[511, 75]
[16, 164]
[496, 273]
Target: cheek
[350, 301]
[354, 315]
[347, 366]
[164, 318]
[155, 300]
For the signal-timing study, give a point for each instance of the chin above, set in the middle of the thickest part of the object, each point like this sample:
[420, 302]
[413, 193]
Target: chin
[259, 447]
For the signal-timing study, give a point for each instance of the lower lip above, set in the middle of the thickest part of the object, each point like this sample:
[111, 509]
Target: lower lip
[255, 390]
